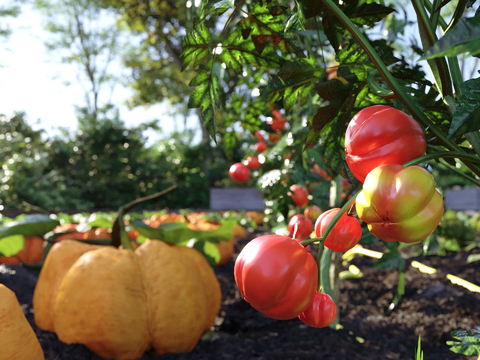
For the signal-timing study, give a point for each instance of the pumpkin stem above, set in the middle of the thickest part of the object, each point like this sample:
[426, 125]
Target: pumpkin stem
[119, 235]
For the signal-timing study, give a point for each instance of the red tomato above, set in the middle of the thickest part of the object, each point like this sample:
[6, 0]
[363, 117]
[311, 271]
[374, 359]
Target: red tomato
[299, 195]
[276, 124]
[252, 162]
[345, 234]
[300, 227]
[321, 312]
[259, 136]
[277, 276]
[239, 173]
[400, 203]
[380, 135]
[312, 212]
[261, 146]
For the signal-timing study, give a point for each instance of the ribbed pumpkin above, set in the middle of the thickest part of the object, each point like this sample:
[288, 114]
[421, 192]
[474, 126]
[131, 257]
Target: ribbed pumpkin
[121, 303]
[32, 252]
[17, 339]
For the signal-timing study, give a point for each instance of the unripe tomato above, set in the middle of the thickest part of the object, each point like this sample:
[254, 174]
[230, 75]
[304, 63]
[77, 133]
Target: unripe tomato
[345, 234]
[400, 203]
[277, 276]
[300, 227]
[299, 195]
[321, 312]
[380, 135]
[239, 173]
[312, 212]
[276, 124]
[252, 162]
[261, 146]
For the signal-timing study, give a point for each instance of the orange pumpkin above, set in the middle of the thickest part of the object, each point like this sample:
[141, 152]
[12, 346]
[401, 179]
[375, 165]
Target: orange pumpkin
[17, 339]
[32, 252]
[120, 303]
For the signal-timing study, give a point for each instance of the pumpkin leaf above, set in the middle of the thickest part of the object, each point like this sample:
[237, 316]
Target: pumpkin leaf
[180, 233]
[11, 245]
[461, 38]
[103, 223]
[36, 225]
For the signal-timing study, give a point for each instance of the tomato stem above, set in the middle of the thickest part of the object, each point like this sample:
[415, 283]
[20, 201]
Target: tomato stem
[442, 154]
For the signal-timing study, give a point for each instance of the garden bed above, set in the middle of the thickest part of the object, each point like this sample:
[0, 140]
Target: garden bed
[432, 307]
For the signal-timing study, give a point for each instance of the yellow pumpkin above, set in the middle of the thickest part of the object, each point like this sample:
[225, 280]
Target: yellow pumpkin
[17, 338]
[121, 303]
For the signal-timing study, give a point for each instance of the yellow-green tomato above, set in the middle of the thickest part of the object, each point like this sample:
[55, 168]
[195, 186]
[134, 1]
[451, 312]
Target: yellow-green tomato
[400, 203]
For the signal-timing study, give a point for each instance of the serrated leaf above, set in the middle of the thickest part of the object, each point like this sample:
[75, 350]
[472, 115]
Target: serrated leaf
[35, 225]
[296, 21]
[461, 38]
[11, 245]
[205, 96]
[368, 14]
[220, 7]
[195, 45]
[467, 113]
[469, 343]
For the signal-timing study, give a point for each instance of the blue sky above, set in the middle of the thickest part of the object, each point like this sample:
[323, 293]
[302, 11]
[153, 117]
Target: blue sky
[31, 80]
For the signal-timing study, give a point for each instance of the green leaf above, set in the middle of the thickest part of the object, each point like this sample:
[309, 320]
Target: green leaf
[391, 259]
[196, 45]
[104, 223]
[467, 114]
[368, 14]
[11, 245]
[208, 249]
[469, 343]
[35, 225]
[461, 38]
[180, 233]
[206, 97]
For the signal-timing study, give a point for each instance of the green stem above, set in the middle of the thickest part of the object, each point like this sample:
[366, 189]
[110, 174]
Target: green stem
[119, 235]
[442, 154]
[321, 247]
[393, 84]
[457, 15]
[459, 173]
[431, 37]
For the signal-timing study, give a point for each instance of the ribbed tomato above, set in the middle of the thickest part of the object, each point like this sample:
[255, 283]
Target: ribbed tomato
[300, 227]
[321, 312]
[380, 135]
[277, 276]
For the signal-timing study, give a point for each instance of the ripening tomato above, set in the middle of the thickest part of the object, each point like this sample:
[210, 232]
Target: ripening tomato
[274, 137]
[277, 276]
[300, 227]
[312, 212]
[239, 173]
[380, 135]
[252, 162]
[321, 312]
[317, 169]
[345, 234]
[400, 203]
[261, 146]
[299, 195]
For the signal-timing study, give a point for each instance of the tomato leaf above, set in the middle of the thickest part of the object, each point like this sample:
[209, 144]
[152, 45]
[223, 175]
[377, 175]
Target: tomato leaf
[36, 225]
[461, 38]
[466, 117]
[391, 259]
[368, 14]
[11, 245]
[196, 45]
[469, 343]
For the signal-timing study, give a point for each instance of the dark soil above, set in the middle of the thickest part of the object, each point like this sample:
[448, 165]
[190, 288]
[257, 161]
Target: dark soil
[432, 307]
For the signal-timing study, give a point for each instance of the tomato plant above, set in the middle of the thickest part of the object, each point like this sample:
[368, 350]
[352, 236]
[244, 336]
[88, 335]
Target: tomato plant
[299, 195]
[277, 276]
[321, 312]
[345, 234]
[300, 227]
[400, 203]
[239, 173]
[380, 135]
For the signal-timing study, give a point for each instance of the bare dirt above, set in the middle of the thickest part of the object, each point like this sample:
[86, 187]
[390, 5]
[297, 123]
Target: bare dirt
[431, 307]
